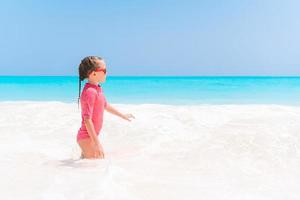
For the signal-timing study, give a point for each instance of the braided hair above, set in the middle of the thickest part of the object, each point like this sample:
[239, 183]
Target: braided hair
[87, 65]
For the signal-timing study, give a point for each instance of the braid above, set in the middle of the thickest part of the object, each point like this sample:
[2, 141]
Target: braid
[79, 92]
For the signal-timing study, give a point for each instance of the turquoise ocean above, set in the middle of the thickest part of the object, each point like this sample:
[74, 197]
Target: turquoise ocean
[158, 89]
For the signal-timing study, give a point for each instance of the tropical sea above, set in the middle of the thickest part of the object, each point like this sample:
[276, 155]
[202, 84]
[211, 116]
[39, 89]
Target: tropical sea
[158, 90]
[192, 138]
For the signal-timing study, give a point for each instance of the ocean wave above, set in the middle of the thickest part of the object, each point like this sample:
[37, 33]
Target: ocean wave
[167, 152]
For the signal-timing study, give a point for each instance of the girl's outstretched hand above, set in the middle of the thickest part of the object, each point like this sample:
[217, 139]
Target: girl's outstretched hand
[128, 116]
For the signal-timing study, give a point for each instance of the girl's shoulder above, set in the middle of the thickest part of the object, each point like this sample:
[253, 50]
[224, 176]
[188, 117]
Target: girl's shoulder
[89, 92]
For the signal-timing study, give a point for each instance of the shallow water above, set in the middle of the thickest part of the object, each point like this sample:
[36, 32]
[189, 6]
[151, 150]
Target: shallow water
[167, 152]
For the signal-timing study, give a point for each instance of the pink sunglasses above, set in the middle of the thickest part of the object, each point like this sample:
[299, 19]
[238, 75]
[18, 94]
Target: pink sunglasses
[98, 69]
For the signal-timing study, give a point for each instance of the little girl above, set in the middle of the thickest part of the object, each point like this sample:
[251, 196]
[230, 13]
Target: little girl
[93, 103]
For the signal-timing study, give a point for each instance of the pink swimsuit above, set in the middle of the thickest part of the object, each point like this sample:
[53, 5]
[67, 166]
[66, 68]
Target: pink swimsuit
[92, 102]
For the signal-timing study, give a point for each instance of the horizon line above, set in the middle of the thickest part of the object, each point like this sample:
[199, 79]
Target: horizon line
[253, 75]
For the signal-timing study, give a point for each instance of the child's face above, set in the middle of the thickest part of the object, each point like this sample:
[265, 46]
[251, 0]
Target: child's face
[99, 76]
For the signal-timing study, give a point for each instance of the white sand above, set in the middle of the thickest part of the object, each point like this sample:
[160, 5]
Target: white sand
[206, 152]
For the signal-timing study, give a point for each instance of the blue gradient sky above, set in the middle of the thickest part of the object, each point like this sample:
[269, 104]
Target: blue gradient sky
[208, 37]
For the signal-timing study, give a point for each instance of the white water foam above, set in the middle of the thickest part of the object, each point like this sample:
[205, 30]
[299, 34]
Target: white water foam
[167, 152]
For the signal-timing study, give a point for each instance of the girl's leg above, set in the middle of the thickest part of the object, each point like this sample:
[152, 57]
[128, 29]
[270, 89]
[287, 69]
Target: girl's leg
[88, 150]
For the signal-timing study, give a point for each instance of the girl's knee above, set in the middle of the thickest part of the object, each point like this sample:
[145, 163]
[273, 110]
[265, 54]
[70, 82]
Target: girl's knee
[89, 155]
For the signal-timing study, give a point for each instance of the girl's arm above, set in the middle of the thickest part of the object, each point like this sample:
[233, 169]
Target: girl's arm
[89, 98]
[114, 111]
[95, 142]
[91, 130]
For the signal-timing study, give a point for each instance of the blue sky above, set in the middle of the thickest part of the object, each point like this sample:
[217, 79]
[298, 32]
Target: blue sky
[208, 37]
